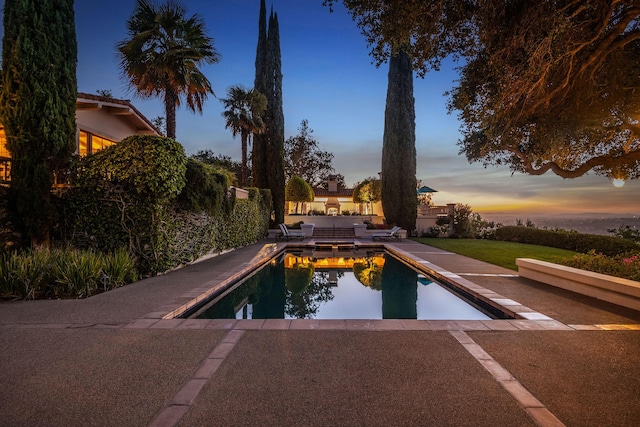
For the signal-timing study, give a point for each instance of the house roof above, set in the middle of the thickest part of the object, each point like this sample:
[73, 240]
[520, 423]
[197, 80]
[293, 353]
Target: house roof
[118, 107]
[342, 192]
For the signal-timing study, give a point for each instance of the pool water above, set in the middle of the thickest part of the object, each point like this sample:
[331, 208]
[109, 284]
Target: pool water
[344, 285]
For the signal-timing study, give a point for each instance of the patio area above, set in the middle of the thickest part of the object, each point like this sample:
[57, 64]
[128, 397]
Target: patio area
[119, 358]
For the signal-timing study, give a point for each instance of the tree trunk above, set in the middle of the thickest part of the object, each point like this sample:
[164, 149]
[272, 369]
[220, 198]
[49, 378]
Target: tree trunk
[170, 99]
[243, 167]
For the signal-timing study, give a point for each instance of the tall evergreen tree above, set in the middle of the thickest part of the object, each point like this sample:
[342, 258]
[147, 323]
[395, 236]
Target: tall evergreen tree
[268, 149]
[399, 199]
[275, 148]
[258, 161]
[37, 102]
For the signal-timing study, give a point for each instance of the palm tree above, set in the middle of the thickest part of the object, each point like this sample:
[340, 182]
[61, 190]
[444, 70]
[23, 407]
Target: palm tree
[243, 116]
[162, 55]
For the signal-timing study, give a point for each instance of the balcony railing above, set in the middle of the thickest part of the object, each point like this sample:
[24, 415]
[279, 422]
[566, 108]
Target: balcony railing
[425, 210]
[5, 170]
[60, 179]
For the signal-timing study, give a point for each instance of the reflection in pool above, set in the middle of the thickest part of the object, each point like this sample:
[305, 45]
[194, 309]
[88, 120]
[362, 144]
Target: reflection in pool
[339, 285]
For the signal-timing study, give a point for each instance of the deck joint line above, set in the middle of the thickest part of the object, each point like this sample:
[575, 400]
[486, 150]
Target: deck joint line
[532, 406]
[175, 410]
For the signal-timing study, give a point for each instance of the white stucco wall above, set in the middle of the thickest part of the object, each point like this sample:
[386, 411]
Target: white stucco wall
[101, 123]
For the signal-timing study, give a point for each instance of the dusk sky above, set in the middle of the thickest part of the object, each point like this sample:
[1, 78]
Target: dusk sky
[329, 79]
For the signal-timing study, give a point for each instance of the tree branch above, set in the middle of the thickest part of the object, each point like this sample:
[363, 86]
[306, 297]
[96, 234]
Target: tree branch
[607, 162]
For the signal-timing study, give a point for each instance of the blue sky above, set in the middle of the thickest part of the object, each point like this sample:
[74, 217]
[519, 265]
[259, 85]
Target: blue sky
[329, 79]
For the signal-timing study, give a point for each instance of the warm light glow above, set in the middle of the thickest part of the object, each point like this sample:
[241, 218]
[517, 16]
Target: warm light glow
[291, 260]
[618, 182]
[3, 145]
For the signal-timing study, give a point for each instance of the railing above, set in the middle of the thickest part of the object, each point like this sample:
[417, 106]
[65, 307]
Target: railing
[433, 210]
[5, 170]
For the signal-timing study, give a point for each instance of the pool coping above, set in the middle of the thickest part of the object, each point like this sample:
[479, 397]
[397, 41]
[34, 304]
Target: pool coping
[522, 317]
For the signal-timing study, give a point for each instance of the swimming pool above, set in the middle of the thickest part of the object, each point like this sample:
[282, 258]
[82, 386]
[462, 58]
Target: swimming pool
[339, 284]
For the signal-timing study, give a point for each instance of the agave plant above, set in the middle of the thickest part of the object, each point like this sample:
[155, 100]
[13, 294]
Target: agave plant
[118, 268]
[24, 274]
[79, 272]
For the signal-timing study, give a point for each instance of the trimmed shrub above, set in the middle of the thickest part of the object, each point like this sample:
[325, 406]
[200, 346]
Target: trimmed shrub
[584, 243]
[151, 167]
[205, 188]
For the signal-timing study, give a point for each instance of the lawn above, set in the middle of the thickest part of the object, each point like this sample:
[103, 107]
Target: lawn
[503, 254]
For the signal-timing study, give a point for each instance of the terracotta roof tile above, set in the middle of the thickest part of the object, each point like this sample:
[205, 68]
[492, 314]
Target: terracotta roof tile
[342, 192]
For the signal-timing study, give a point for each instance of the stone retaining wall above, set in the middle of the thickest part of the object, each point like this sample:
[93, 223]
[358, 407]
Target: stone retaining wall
[612, 289]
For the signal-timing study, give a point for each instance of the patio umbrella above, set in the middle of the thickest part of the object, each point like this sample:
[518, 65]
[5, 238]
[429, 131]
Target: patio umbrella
[424, 189]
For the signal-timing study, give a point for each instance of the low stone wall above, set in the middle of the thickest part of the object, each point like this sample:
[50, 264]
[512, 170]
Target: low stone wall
[612, 289]
[332, 221]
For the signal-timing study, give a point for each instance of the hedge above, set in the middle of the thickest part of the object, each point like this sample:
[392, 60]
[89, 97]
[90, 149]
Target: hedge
[164, 224]
[584, 243]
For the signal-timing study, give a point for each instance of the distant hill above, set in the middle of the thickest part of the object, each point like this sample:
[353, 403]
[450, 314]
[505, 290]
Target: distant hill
[588, 223]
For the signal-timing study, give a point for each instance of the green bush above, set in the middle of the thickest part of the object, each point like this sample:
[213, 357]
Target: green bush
[23, 274]
[584, 243]
[63, 273]
[78, 272]
[163, 222]
[626, 232]
[118, 268]
[205, 188]
[151, 167]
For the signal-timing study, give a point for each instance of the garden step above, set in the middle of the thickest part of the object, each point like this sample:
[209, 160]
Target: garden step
[333, 232]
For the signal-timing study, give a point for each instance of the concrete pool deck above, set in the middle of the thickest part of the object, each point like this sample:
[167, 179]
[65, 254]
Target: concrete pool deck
[112, 360]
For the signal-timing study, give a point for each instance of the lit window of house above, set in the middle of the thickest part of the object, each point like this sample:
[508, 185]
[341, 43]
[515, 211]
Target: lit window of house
[5, 163]
[3, 145]
[83, 143]
[89, 143]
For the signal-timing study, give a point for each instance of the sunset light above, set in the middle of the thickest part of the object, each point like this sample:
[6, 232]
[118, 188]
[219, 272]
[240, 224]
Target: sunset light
[618, 182]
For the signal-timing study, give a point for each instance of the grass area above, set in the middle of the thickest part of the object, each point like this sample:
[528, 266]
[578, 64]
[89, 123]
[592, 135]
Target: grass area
[503, 254]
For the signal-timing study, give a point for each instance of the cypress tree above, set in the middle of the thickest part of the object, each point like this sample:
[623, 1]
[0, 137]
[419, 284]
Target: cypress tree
[268, 148]
[258, 163]
[275, 146]
[37, 102]
[399, 199]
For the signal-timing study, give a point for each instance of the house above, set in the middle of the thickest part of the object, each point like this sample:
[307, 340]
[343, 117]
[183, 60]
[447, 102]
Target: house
[100, 122]
[335, 201]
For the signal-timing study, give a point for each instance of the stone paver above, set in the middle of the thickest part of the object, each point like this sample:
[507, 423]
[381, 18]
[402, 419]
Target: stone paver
[567, 359]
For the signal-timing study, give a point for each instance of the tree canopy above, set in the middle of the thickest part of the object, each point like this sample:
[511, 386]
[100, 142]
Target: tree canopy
[427, 30]
[557, 88]
[368, 191]
[545, 85]
[243, 115]
[163, 54]
[298, 190]
[304, 158]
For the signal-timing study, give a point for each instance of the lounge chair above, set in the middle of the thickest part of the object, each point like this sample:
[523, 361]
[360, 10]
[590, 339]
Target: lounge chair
[287, 234]
[392, 234]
